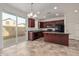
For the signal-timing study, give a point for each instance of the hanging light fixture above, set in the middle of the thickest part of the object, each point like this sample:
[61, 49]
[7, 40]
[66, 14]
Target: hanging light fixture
[31, 14]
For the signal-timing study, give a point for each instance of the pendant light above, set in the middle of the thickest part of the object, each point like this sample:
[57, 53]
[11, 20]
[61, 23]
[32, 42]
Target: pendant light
[31, 14]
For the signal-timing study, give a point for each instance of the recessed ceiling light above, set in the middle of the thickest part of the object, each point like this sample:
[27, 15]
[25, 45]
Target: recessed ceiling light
[55, 7]
[38, 12]
[75, 11]
[57, 14]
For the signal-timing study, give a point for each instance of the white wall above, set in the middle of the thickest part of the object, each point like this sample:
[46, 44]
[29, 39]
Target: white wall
[52, 19]
[36, 24]
[71, 22]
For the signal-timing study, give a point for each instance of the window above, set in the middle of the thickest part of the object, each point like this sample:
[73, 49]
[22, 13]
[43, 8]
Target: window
[7, 22]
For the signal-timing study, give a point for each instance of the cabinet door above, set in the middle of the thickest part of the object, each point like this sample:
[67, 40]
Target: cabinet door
[41, 25]
[31, 22]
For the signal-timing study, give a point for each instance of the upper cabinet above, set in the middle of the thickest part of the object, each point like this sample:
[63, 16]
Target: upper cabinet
[41, 24]
[50, 24]
[31, 22]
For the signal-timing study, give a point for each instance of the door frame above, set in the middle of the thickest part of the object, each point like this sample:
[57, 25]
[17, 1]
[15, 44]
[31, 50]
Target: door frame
[15, 28]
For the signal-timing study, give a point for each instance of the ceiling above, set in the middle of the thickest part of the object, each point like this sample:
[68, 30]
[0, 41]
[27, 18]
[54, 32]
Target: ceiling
[46, 9]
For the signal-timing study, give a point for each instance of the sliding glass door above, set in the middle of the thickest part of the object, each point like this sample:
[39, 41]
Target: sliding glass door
[21, 28]
[13, 29]
[8, 29]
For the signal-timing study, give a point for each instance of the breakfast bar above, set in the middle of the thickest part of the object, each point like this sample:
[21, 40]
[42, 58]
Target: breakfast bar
[57, 37]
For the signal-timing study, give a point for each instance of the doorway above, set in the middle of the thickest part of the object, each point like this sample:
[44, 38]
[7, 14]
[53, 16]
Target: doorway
[13, 29]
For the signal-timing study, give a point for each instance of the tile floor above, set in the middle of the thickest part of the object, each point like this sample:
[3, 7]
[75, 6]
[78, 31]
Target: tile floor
[41, 48]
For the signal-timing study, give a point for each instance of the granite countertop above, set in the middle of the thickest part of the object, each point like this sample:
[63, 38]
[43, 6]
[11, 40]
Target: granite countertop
[56, 32]
[35, 30]
[47, 31]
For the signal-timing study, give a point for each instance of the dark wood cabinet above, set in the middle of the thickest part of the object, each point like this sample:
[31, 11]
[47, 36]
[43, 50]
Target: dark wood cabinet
[62, 39]
[41, 24]
[51, 23]
[34, 35]
[31, 22]
[59, 22]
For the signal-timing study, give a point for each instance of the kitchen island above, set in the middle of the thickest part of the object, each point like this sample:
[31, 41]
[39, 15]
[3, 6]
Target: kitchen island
[57, 37]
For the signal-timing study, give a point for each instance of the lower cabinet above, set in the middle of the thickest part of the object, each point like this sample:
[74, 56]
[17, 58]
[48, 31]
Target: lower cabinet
[34, 35]
[62, 39]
